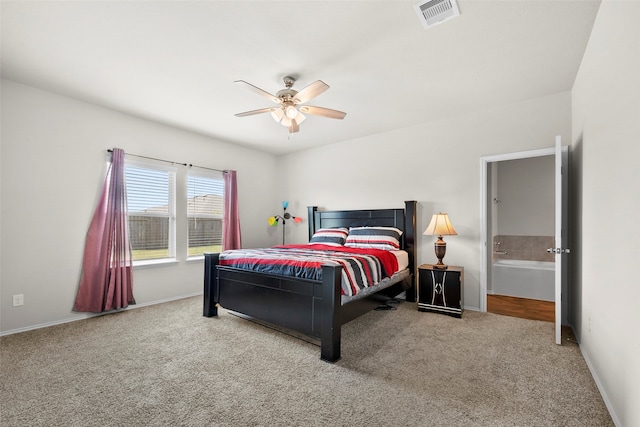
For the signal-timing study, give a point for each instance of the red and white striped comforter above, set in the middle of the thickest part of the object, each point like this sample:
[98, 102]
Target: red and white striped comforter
[362, 268]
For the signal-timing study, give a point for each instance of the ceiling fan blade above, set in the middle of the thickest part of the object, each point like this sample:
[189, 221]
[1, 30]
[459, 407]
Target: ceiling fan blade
[252, 112]
[259, 91]
[310, 92]
[323, 112]
[294, 126]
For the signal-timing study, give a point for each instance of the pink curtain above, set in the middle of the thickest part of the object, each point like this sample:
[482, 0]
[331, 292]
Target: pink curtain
[106, 282]
[231, 238]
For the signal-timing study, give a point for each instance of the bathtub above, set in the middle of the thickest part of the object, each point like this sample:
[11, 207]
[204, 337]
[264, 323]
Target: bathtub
[525, 279]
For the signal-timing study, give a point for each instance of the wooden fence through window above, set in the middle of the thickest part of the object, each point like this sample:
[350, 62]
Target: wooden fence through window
[147, 233]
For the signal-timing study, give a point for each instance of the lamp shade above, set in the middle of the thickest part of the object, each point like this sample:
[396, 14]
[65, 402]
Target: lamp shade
[291, 111]
[440, 226]
[287, 121]
[277, 115]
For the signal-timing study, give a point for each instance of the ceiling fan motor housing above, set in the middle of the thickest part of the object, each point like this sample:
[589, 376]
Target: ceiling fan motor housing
[286, 94]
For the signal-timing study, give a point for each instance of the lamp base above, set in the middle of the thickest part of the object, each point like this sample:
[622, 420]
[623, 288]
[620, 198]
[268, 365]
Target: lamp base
[440, 247]
[440, 266]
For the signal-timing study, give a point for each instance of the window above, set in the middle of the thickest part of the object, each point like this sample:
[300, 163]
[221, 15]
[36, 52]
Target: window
[151, 204]
[175, 211]
[205, 198]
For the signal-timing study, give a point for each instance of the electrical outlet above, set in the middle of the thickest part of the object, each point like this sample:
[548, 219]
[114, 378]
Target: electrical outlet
[18, 300]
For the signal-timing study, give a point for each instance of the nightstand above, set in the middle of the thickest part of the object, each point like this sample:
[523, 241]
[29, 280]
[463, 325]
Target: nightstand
[441, 290]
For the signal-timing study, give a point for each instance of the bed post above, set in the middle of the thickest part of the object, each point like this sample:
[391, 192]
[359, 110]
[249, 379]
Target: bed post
[311, 214]
[330, 323]
[211, 290]
[410, 245]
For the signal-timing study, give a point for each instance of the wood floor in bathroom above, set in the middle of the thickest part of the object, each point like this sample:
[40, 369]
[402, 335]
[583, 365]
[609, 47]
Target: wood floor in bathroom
[521, 307]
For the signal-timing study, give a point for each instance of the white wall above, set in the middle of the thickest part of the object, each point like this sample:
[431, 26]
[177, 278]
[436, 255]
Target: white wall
[606, 141]
[526, 192]
[52, 169]
[437, 164]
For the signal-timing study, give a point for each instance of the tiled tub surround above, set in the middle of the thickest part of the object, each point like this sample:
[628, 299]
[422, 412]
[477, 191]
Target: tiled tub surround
[530, 248]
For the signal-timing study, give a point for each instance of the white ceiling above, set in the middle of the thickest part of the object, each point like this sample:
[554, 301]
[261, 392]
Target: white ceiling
[176, 61]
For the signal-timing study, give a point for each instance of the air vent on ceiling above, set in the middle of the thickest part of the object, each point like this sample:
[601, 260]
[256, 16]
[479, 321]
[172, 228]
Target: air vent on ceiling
[434, 12]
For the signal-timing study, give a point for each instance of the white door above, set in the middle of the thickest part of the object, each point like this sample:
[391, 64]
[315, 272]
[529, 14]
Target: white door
[561, 198]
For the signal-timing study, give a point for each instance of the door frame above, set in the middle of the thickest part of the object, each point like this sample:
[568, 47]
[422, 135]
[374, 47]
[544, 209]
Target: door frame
[485, 205]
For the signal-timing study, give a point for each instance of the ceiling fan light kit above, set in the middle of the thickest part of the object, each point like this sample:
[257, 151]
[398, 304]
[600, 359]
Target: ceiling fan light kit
[289, 112]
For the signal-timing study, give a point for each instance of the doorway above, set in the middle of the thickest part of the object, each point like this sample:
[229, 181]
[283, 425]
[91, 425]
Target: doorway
[518, 212]
[561, 219]
[522, 229]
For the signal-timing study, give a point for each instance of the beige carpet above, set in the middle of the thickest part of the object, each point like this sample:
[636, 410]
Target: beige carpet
[166, 365]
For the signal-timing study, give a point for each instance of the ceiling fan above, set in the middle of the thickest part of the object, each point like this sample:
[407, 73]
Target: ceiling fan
[289, 110]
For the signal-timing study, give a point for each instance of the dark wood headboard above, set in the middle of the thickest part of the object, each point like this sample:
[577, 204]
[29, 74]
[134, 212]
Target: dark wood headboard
[403, 219]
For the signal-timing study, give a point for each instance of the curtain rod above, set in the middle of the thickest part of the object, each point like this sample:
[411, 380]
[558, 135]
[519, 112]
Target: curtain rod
[109, 150]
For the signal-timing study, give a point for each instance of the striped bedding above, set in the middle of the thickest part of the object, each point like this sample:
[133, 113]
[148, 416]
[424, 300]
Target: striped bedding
[362, 268]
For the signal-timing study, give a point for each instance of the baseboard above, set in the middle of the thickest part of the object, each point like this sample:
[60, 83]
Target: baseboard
[596, 379]
[84, 316]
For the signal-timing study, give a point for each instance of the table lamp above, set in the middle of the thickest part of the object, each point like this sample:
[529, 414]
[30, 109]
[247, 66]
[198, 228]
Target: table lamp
[440, 226]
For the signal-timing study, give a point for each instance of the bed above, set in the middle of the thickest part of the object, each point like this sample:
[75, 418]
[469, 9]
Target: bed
[312, 308]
